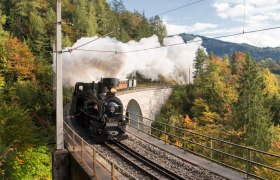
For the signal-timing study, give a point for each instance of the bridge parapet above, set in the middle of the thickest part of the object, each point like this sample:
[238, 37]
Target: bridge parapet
[92, 163]
[145, 101]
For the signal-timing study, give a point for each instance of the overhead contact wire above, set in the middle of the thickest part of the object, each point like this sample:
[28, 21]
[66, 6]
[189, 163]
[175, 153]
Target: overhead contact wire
[189, 4]
[77, 48]
[244, 16]
[183, 15]
[184, 43]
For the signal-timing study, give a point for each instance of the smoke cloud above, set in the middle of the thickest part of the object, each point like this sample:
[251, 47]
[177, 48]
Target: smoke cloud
[108, 61]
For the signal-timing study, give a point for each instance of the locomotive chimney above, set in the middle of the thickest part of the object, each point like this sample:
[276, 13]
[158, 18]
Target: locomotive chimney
[110, 83]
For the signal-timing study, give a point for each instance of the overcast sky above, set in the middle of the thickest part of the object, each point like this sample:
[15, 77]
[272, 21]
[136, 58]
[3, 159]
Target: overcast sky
[213, 18]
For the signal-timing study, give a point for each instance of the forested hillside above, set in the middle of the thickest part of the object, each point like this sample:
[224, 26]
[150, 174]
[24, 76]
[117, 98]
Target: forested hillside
[27, 37]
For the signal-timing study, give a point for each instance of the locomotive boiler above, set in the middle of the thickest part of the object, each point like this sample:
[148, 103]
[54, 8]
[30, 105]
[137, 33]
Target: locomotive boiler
[98, 110]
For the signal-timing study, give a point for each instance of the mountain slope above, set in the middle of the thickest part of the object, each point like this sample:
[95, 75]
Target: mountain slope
[222, 48]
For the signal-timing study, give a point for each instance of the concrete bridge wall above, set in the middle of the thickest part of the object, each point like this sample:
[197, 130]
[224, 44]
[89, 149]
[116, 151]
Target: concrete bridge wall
[146, 103]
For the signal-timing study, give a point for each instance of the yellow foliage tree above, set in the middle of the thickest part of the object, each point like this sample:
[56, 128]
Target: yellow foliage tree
[202, 112]
[190, 124]
[16, 61]
[271, 83]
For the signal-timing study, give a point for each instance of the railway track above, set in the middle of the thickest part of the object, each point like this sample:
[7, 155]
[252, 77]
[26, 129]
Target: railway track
[140, 162]
[133, 168]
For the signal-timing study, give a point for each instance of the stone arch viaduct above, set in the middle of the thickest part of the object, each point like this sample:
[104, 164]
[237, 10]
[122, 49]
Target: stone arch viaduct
[144, 103]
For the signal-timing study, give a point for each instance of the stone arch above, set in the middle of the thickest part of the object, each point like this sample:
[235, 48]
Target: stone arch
[134, 112]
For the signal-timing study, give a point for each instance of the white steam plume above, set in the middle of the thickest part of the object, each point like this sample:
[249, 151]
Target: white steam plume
[87, 66]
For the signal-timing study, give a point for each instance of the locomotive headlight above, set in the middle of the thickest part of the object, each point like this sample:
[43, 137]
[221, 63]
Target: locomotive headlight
[113, 90]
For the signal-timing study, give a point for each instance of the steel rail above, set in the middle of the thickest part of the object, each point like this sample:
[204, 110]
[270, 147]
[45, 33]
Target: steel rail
[166, 172]
[137, 166]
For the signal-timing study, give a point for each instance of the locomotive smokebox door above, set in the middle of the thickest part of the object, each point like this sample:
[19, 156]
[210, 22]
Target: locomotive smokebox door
[111, 82]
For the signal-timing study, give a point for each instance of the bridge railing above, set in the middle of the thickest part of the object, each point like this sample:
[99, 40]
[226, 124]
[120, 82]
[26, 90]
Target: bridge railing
[88, 156]
[141, 87]
[249, 161]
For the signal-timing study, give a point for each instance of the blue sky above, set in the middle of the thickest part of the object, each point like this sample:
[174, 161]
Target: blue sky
[217, 17]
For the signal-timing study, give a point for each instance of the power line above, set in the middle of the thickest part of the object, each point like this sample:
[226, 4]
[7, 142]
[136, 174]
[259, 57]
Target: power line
[244, 14]
[184, 43]
[96, 50]
[189, 4]
[77, 48]
[183, 15]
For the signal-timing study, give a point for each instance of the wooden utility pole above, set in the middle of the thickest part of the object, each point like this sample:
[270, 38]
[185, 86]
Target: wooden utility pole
[59, 93]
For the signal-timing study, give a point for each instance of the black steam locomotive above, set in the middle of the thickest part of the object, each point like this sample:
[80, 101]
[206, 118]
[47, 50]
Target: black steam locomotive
[98, 110]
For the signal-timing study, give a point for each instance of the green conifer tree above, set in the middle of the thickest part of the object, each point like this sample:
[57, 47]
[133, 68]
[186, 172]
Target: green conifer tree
[252, 117]
[199, 62]
[38, 42]
[104, 15]
[85, 19]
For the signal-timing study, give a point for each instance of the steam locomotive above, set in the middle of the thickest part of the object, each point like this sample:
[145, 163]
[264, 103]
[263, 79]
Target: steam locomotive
[98, 110]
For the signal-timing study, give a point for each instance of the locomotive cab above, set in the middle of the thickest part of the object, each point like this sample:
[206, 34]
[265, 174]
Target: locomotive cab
[83, 96]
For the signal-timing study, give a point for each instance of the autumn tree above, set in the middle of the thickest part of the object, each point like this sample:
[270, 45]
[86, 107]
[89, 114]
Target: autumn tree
[33, 163]
[214, 89]
[17, 62]
[237, 63]
[15, 126]
[19, 136]
[2, 22]
[271, 91]
[252, 116]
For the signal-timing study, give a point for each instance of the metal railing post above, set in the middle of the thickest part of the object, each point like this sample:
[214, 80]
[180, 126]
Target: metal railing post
[128, 118]
[184, 142]
[112, 171]
[82, 154]
[248, 163]
[211, 148]
[138, 122]
[94, 161]
[150, 128]
[73, 137]
[165, 138]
